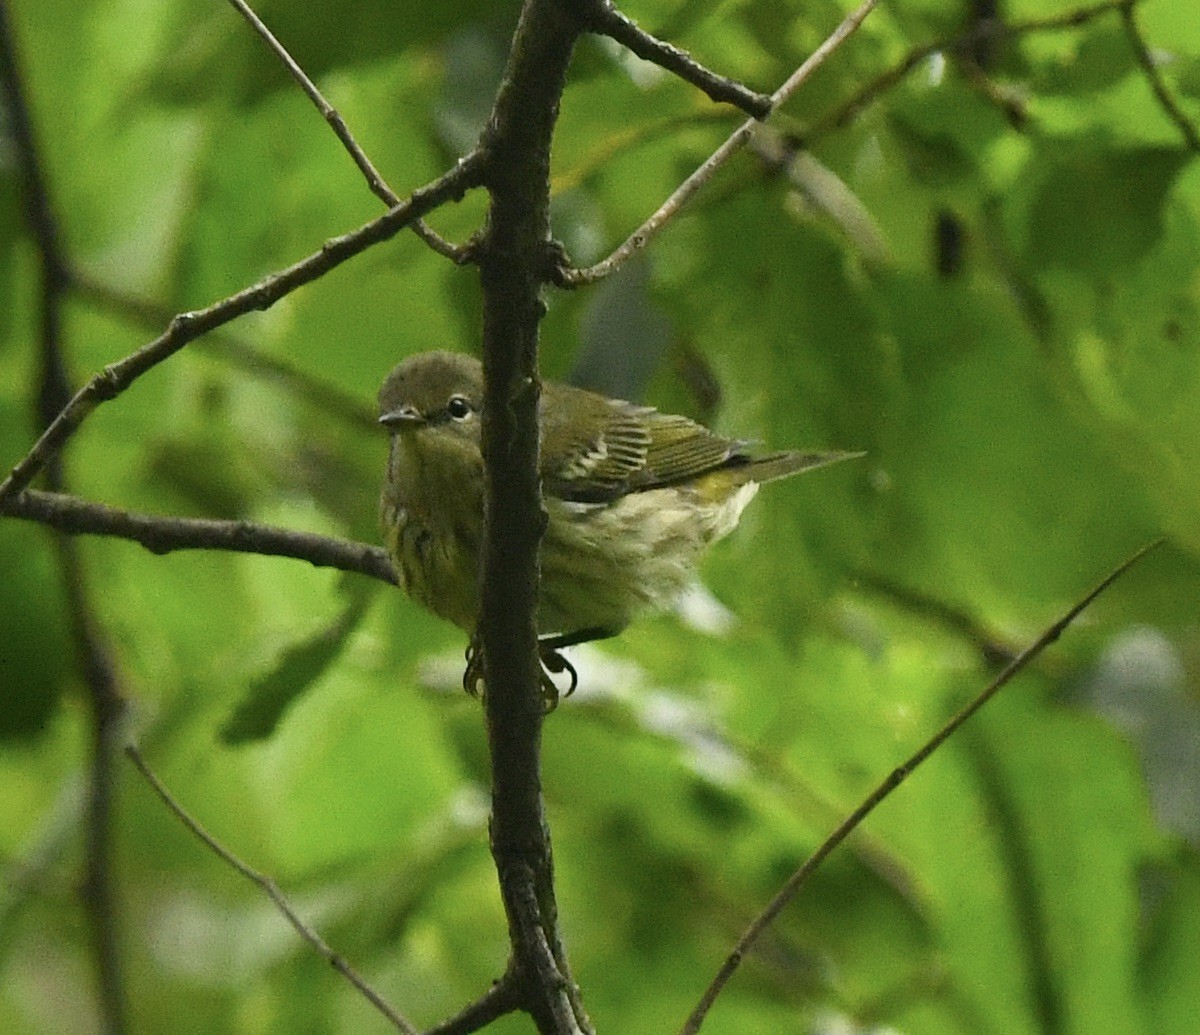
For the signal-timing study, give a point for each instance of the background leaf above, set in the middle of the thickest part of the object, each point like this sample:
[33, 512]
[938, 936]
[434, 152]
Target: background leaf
[985, 278]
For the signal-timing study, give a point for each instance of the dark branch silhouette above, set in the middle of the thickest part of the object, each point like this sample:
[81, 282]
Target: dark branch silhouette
[166, 534]
[99, 892]
[603, 18]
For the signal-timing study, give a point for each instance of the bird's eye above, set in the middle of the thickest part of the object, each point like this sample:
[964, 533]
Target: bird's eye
[459, 407]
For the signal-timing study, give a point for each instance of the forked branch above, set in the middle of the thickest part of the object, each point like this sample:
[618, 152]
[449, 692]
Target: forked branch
[574, 277]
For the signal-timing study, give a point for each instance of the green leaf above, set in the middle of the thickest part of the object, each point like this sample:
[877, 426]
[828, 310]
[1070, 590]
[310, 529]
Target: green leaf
[1097, 210]
[301, 665]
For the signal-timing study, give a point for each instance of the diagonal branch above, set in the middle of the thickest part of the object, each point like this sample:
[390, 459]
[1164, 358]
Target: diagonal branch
[1191, 136]
[603, 19]
[271, 890]
[337, 403]
[186, 327]
[331, 115]
[567, 277]
[502, 998]
[162, 535]
[893, 780]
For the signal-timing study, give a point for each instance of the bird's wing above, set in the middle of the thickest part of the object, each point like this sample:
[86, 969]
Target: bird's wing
[681, 449]
[597, 468]
[636, 448]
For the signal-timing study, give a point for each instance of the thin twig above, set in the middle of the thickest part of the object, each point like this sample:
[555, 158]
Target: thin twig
[161, 535]
[459, 254]
[186, 327]
[893, 780]
[376, 182]
[271, 889]
[331, 115]
[852, 107]
[701, 176]
[502, 998]
[1191, 136]
[603, 18]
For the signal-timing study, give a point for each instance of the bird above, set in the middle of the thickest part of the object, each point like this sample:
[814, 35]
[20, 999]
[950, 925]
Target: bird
[633, 498]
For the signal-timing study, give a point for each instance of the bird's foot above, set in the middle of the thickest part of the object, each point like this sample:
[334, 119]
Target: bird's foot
[553, 663]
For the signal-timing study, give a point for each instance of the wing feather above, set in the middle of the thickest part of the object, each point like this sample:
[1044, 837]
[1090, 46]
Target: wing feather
[636, 449]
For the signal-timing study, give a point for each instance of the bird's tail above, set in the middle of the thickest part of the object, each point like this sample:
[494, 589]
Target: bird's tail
[788, 462]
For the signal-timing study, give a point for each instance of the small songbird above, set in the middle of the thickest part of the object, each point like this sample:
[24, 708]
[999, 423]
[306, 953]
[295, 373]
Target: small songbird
[633, 496]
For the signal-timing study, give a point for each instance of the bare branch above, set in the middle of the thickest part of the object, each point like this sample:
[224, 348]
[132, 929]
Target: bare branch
[850, 109]
[893, 780]
[737, 140]
[515, 257]
[459, 254]
[376, 182]
[603, 18]
[186, 327]
[1191, 136]
[539, 939]
[498, 1000]
[107, 708]
[331, 115]
[161, 535]
[983, 32]
[271, 889]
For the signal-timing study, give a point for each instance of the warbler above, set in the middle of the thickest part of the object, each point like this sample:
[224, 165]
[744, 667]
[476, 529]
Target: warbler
[633, 496]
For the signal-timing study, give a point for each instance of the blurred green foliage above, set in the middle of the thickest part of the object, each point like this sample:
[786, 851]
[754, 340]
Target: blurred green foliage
[988, 281]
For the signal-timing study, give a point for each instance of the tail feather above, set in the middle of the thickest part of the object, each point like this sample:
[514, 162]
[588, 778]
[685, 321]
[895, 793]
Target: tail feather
[787, 462]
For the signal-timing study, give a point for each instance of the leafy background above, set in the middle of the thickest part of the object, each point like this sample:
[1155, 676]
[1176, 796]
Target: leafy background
[988, 281]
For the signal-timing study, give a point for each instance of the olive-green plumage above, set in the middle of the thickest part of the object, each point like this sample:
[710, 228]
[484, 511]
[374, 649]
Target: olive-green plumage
[634, 496]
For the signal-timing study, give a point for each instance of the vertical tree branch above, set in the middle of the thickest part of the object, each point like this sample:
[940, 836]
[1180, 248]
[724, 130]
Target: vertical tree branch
[514, 261]
[104, 700]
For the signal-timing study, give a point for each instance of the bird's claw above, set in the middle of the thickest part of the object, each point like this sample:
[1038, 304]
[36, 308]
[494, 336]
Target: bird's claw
[473, 673]
[553, 663]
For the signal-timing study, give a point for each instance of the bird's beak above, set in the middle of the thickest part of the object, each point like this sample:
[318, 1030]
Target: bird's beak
[404, 417]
